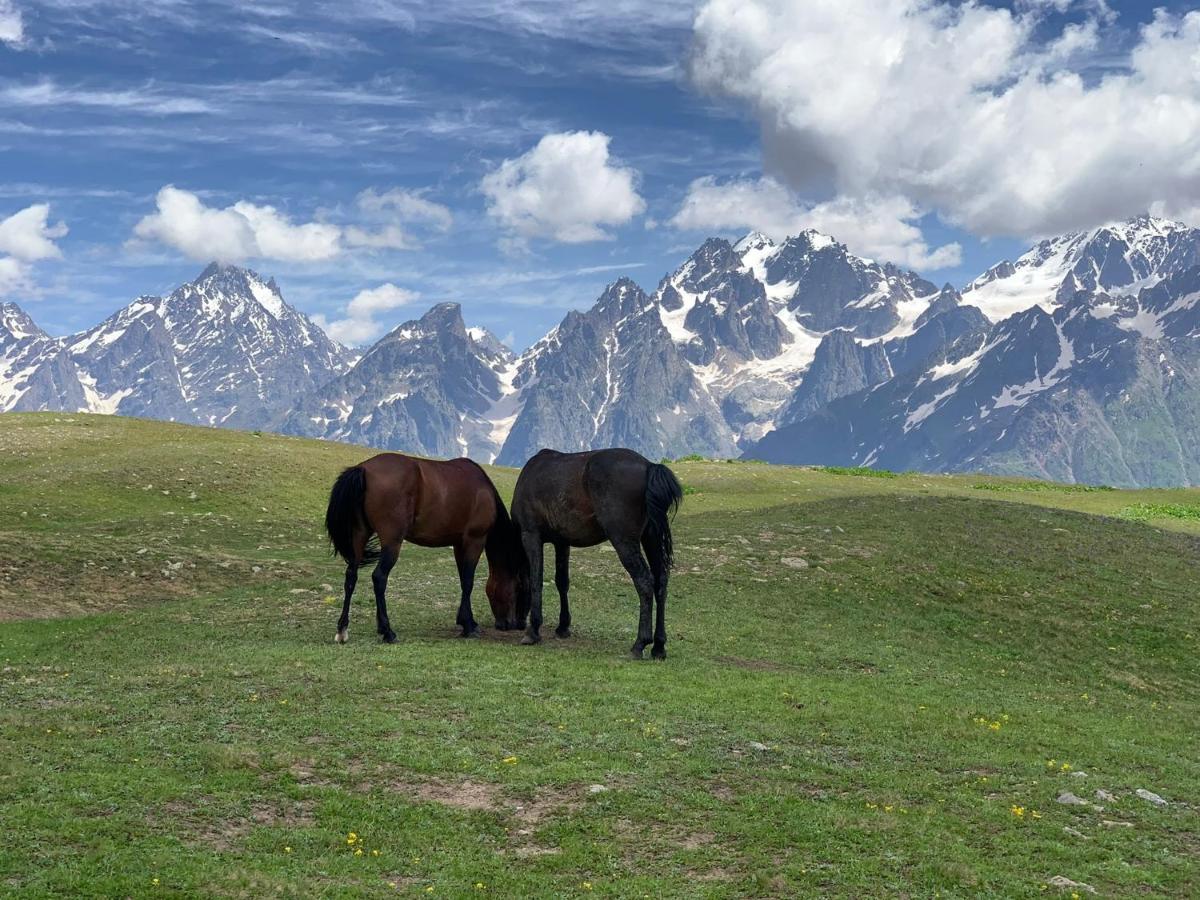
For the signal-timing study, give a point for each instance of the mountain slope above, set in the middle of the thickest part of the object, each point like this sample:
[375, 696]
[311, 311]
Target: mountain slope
[612, 376]
[35, 373]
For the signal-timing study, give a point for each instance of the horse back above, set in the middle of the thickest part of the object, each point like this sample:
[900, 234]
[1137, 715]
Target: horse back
[428, 502]
[580, 498]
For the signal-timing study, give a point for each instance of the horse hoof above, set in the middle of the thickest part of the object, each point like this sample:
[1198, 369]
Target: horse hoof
[636, 653]
[531, 639]
[342, 636]
[659, 653]
[562, 632]
[473, 633]
[389, 637]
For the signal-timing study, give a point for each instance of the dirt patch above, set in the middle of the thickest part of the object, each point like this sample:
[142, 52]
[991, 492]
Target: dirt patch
[194, 824]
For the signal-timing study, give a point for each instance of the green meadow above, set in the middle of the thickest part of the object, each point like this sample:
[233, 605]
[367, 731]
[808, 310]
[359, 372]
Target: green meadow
[876, 686]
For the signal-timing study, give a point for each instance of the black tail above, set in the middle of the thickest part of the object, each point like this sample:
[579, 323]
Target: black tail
[663, 496]
[345, 515]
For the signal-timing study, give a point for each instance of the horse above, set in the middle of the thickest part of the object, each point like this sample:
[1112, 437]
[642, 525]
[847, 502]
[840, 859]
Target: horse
[582, 499]
[432, 504]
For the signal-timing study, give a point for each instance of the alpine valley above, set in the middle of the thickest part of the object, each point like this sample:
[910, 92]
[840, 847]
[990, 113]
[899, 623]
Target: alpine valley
[1079, 362]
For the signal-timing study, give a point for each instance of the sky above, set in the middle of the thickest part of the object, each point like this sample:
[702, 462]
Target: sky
[379, 156]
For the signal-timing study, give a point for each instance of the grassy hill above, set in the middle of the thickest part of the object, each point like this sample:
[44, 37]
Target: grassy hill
[877, 686]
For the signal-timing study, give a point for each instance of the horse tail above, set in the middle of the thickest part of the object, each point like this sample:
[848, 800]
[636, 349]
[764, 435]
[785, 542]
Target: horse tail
[663, 496]
[345, 517]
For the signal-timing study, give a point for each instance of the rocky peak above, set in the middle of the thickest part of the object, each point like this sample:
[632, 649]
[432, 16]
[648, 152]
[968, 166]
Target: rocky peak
[16, 325]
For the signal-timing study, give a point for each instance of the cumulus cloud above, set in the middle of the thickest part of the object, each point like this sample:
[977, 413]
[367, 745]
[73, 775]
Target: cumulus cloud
[234, 233]
[27, 237]
[878, 227]
[250, 231]
[964, 109]
[392, 215]
[566, 189]
[359, 324]
[12, 26]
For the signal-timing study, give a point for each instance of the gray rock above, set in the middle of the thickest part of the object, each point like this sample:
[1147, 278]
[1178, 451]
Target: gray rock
[1150, 797]
[1066, 884]
[794, 562]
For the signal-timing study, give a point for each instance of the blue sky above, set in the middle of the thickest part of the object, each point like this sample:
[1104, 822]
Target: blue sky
[441, 112]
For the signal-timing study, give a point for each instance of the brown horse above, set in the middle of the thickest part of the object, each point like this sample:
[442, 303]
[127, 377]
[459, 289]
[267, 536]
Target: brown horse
[582, 499]
[432, 504]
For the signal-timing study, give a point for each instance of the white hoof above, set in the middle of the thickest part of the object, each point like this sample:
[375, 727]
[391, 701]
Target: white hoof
[342, 636]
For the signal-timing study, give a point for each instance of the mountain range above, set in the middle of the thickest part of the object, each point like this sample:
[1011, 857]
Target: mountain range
[1079, 362]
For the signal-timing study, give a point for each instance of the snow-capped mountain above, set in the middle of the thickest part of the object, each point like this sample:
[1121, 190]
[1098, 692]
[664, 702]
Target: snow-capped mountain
[35, 373]
[1079, 361]
[1095, 378]
[225, 349]
[431, 386]
[1119, 259]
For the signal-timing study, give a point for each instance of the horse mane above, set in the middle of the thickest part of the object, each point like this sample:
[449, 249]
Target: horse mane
[503, 547]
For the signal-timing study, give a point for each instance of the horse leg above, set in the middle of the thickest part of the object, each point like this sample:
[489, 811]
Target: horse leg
[379, 578]
[343, 626]
[532, 543]
[631, 558]
[466, 557]
[562, 581]
[658, 568]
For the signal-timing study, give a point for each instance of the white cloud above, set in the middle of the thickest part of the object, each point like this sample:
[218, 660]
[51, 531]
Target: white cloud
[565, 189]
[877, 227]
[360, 324]
[25, 238]
[963, 109]
[249, 231]
[12, 26]
[28, 235]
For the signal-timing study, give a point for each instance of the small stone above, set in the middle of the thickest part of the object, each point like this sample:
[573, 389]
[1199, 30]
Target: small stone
[1079, 774]
[1066, 884]
[1075, 832]
[1066, 798]
[756, 745]
[1109, 823]
[794, 562]
[597, 789]
[1150, 797]
[1105, 796]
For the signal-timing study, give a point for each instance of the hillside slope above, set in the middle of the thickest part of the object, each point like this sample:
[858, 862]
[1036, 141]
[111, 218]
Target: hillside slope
[877, 685]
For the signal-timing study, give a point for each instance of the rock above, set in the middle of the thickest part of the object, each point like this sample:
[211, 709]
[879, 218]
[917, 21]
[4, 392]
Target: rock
[1075, 832]
[794, 562]
[1150, 797]
[597, 789]
[1068, 799]
[1105, 796]
[756, 745]
[1109, 823]
[1066, 884]
[1079, 774]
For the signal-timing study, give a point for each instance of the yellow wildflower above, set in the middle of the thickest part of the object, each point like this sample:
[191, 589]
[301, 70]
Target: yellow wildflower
[1019, 812]
[358, 852]
[287, 849]
[509, 760]
[352, 838]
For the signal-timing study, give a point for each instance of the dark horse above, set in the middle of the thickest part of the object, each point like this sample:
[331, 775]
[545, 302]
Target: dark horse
[580, 499]
[432, 504]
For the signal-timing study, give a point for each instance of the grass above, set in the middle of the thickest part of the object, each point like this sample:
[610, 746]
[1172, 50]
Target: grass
[175, 718]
